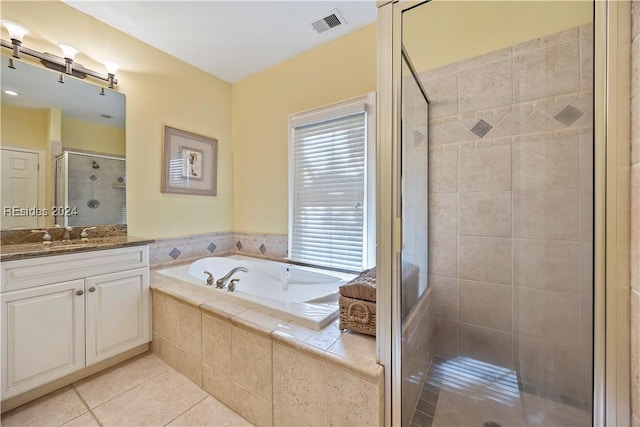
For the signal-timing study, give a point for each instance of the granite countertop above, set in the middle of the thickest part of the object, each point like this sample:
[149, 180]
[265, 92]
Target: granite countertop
[15, 251]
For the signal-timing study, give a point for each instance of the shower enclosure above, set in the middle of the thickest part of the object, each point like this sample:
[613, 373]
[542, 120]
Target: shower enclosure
[490, 213]
[90, 189]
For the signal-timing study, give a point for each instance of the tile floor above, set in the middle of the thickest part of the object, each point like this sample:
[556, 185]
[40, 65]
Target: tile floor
[464, 392]
[143, 391]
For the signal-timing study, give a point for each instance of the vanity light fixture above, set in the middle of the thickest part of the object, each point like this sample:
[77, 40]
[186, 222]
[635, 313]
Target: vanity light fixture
[112, 69]
[11, 92]
[16, 34]
[64, 64]
[69, 53]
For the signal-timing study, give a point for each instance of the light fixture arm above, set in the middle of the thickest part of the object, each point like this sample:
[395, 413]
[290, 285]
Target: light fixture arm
[15, 45]
[59, 63]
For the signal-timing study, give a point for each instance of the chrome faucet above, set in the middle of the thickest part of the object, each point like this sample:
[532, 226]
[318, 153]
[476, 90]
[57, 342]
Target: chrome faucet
[84, 236]
[46, 237]
[66, 234]
[232, 285]
[222, 282]
[209, 278]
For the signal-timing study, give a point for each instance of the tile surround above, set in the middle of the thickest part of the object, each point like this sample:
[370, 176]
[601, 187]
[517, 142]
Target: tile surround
[165, 252]
[514, 170]
[243, 359]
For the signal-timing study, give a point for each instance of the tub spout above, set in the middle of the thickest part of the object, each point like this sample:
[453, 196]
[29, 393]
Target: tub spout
[222, 282]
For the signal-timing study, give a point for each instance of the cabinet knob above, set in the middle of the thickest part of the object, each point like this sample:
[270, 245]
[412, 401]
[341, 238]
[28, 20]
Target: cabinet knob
[79, 292]
[92, 289]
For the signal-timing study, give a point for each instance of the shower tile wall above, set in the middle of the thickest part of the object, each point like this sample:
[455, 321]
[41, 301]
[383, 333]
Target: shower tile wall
[510, 209]
[96, 191]
[635, 216]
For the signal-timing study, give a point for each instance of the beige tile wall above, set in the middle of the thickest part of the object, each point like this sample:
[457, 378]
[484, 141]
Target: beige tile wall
[262, 379]
[635, 215]
[510, 209]
[177, 250]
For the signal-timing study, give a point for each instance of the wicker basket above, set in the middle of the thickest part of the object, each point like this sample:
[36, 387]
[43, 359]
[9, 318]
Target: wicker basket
[362, 287]
[358, 315]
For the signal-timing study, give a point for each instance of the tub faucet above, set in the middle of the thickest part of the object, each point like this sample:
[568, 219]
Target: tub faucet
[232, 285]
[209, 278]
[222, 282]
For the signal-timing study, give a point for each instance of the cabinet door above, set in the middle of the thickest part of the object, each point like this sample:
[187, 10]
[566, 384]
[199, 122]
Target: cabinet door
[118, 315]
[42, 335]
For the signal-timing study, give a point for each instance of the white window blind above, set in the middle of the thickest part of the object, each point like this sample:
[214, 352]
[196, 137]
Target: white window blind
[328, 190]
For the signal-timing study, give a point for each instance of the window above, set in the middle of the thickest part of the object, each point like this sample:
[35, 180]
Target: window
[331, 185]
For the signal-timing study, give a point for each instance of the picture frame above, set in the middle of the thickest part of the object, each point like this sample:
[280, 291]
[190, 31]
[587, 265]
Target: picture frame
[190, 163]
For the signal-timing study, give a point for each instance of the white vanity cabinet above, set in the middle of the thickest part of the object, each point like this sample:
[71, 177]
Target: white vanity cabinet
[117, 313]
[62, 313]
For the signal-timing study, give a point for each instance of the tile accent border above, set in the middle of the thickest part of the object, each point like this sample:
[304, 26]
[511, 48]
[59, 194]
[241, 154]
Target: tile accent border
[165, 252]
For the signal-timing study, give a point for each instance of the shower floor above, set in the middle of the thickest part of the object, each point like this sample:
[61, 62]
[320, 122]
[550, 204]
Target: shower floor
[467, 392]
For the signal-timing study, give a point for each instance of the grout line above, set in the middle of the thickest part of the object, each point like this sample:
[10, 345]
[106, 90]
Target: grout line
[86, 405]
[137, 385]
[190, 408]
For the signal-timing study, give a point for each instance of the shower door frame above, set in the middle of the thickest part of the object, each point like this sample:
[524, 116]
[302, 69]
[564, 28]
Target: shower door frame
[611, 299]
[389, 201]
[612, 149]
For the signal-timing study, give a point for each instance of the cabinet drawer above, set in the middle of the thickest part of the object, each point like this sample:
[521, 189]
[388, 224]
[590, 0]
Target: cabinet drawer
[28, 273]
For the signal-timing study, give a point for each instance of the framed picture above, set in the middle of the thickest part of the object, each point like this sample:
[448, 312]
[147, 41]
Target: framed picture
[190, 163]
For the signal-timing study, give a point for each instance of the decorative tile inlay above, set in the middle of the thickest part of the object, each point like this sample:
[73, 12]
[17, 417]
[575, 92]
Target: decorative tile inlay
[568, 115]
[212, 247]
[93, 177]
[481, 128]
[175, 253]
[120, 179]
[263, 249]
[239, 245]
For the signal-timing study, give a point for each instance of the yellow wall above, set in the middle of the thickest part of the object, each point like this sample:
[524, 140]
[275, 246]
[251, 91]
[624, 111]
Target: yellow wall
[333, 72]
[159, 90]
[24, 127]
[163, 90]
[445, 31]
[77, 134]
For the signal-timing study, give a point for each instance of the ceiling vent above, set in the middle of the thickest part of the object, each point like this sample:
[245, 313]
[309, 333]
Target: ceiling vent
[331, 20]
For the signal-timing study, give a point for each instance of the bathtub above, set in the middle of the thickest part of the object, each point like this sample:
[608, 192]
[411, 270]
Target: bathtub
[307, 296]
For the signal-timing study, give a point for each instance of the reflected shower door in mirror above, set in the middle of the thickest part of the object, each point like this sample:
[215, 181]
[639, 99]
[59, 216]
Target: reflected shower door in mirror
[90, 189]
[43, 120]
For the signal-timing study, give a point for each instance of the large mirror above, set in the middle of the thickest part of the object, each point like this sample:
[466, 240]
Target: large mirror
[62, 150]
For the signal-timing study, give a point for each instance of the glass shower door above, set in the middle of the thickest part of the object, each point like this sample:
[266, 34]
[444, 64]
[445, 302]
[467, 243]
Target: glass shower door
[414, 162]
[491, 213]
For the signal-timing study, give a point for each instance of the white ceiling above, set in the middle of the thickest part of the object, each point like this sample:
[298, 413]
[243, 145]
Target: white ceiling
[230, 39]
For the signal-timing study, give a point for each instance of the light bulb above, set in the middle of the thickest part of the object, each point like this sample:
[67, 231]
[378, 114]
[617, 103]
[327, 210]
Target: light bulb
[68, 51]
[112, 67]
[16, 31]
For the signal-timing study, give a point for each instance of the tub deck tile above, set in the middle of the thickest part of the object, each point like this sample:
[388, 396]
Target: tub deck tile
[356, 352]
[258, 321]
[308, 340]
